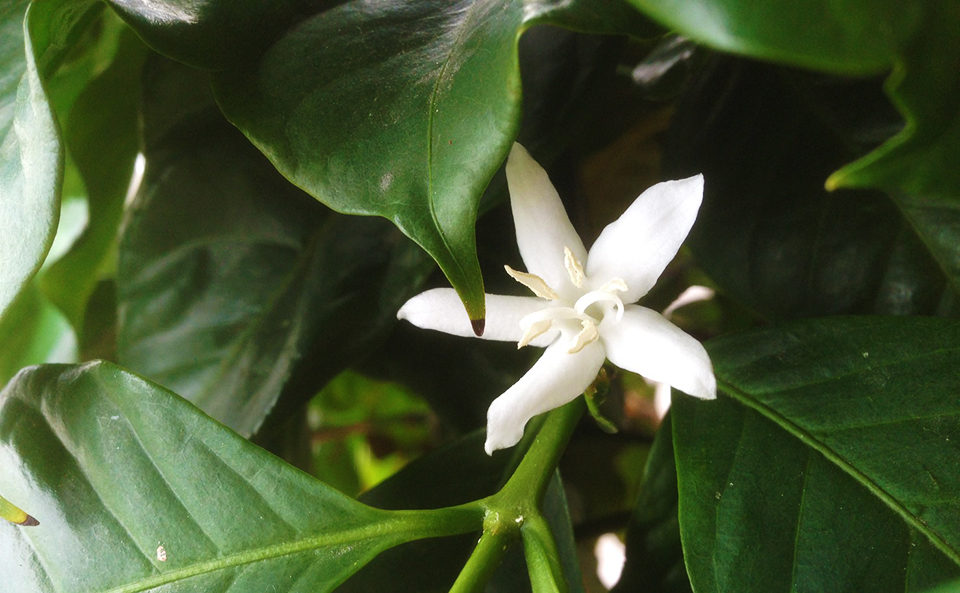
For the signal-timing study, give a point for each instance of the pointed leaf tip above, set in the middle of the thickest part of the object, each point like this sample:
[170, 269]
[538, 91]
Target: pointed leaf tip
[29, 522]
[478, 325]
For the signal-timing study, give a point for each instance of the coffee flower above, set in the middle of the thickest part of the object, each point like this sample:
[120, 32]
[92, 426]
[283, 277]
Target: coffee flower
[582, 311]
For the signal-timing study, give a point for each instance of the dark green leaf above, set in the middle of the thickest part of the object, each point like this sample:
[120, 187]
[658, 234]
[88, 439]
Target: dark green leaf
[236, 288]
[31, 164]
[654, 555]
[833, 463]
[765, 138]
[138, 490]
[937, 222]
[925, 86]
[403, 110]
[212, 34]
[102, 137]
[916, 39]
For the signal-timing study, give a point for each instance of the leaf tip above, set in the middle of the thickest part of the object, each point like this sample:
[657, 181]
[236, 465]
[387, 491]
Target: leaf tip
[478, 326]
[29, 521]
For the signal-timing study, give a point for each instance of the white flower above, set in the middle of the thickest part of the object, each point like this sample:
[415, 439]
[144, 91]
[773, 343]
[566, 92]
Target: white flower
[581, 312]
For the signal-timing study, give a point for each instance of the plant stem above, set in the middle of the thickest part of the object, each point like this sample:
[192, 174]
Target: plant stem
[520, 500]
[483, 562]
[536, 469]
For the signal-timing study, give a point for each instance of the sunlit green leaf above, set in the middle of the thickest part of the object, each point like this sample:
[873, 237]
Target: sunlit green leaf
[831, 464]
[138, 490]
[33, 38]
[33, 332]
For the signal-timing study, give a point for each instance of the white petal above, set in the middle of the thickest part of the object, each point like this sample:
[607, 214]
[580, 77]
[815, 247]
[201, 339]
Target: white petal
[440, 309]
[557, 378]
[640, 244]
[543, 228]
[646, 343]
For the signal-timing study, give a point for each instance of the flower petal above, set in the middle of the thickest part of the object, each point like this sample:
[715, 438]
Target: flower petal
[557, 378]
[440, 309]
[543, 228]
[640, 244]
[646, 343]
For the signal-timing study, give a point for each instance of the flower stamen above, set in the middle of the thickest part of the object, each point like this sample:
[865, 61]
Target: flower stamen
[574, 267]
[535, 283]
[587, 335]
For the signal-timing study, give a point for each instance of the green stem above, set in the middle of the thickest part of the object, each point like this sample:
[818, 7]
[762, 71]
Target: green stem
[543, 557]
[483, 561]
[536, 469]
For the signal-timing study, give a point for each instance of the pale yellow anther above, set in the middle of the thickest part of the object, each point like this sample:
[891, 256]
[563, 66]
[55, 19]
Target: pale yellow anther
[614, 285]
[587, 335]
[574, 267]
[535, 330]
[534, 283]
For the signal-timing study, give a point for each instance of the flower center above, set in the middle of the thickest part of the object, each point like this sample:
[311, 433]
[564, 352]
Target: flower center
[589, 309]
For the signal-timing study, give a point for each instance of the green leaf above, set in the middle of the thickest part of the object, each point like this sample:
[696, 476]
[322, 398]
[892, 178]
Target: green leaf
[109, 464]
[235, 288]
[845, 36]
[102, 136]
[33, 332]
[405, 111]
[34, 39]
[211, 34]
[832, 463]
[937, 222]
[15, 514]
[925, 86]
[916, 39]
[764, 138]
[654, 557]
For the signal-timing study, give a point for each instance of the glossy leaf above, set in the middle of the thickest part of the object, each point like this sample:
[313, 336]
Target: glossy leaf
[235, 288]
[851, 36]
[916, 39]
[925, 86]
[102, 136]
[764, 139]
[32, 43]
[70, 435]
[33, 332]
[831, 464]
[406, 111]
[212, 34]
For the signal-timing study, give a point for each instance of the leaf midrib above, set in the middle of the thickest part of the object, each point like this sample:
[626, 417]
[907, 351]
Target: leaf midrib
[809, 439]
[431, 110]
[383, 535]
